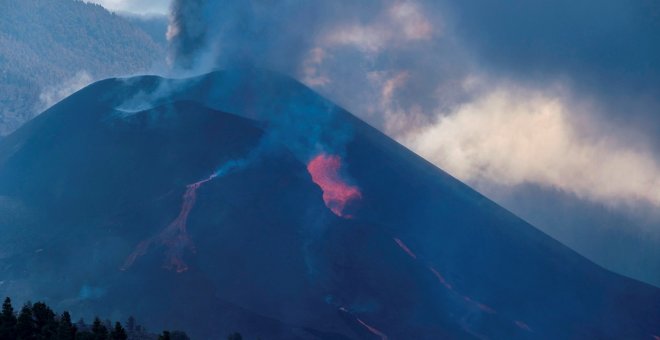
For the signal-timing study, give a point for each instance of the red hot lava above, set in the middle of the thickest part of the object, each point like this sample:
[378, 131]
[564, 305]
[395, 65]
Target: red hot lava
[373, 330]
[405, 248]
[337, 194]
[468, 300]
[175, 236]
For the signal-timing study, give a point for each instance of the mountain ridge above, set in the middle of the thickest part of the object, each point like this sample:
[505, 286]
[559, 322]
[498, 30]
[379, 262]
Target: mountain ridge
[417, 254]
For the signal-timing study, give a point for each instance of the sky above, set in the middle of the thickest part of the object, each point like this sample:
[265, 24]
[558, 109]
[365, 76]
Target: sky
[550, 108]
[140, 7]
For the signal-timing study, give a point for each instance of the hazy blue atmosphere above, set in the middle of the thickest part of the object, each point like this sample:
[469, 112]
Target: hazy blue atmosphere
[199, 153]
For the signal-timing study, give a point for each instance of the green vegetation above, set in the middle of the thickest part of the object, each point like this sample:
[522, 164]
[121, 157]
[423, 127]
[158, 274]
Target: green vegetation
[39, 322]
[51, 48]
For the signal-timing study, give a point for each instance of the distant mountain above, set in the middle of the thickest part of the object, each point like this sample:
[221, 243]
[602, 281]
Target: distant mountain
[50, 48]
[242, 200]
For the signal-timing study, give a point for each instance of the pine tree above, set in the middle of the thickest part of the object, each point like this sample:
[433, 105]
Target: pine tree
[25, 326]
[99, 330]
[85, 335]
[130, 325]
[65, 329]
[44, 319]
[7, 321]
[81, 325]
[165, 336]
[118, 333]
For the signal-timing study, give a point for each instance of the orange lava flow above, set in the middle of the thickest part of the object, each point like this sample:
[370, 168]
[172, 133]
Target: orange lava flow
[174, 237]
[337, 194]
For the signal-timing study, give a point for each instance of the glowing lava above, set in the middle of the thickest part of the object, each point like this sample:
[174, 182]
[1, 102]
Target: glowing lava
[405, 248]
[373, 330]
[337, 194]
[175, 236]
[440, 278]
[469, 302]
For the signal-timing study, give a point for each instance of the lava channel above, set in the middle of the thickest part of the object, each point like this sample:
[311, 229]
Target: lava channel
[372, 329]
[175, 236]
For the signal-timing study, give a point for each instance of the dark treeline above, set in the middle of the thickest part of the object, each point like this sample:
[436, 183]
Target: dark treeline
[39, 322]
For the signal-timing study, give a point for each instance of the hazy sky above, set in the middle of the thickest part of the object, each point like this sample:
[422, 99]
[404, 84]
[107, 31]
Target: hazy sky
[135, 6]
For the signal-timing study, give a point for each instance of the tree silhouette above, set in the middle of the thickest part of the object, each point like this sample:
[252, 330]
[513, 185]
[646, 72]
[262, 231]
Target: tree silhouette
[7, 321]
[65, 329]
[25, 326]
[178, 335]
[99, 330]
[130, 324]
[118, 333]
[39, 322]
[44, 321]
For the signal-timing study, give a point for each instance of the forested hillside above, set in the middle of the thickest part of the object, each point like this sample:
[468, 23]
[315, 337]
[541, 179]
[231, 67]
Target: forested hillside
[49, 48]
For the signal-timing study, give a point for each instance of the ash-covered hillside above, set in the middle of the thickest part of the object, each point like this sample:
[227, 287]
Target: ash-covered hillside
[243, 200]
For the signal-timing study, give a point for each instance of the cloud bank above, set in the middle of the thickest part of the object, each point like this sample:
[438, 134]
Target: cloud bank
[511, 136]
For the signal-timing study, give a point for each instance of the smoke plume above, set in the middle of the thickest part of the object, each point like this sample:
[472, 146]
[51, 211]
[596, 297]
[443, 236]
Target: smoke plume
[401, 66]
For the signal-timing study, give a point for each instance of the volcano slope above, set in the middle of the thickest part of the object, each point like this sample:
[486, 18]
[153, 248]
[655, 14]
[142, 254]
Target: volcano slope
[242, 201]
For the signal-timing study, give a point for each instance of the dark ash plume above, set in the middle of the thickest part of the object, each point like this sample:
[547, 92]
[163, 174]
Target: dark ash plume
[187, 32]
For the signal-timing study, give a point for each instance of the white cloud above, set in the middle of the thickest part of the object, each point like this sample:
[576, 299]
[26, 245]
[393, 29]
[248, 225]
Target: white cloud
[513, 135]
[142, 7]
[401, 22]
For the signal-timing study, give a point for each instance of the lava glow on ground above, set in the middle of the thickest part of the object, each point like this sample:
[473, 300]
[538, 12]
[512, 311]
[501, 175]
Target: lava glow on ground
[337, 194]
[175, 237]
